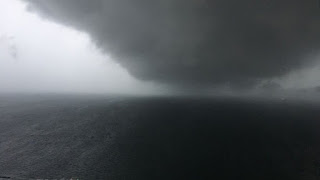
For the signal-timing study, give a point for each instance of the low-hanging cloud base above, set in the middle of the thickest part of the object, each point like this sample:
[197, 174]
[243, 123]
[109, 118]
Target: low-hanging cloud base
[197, 42]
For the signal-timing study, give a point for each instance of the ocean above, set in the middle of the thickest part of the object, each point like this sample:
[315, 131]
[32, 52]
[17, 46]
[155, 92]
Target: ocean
[126, 137]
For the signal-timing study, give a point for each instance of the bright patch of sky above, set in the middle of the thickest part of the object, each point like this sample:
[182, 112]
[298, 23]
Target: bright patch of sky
[37, 55]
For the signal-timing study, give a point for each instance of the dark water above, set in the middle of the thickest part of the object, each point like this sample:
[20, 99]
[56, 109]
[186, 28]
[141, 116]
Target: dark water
[158, 138]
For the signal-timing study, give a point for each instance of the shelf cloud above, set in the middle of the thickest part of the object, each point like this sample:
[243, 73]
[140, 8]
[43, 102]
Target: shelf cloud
[196, 42]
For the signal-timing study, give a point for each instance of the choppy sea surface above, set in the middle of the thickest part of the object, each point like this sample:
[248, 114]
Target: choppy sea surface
[101, 137]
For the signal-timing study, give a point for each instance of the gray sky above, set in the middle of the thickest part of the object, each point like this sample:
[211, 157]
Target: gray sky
[197, 43]
[37, 55]
[57, 45]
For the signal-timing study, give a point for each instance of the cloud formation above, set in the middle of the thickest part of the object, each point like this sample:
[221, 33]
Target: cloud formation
[7, 44]
[196, 42]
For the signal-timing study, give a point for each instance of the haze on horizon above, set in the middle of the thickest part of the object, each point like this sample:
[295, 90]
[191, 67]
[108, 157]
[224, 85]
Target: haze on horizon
[158, 47]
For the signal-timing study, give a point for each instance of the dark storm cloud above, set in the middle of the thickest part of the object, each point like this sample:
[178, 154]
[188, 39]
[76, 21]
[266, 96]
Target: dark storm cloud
[196, 42]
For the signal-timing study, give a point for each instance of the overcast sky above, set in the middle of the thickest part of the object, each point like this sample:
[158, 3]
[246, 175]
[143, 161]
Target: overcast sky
[37, 55]
[57, 46]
